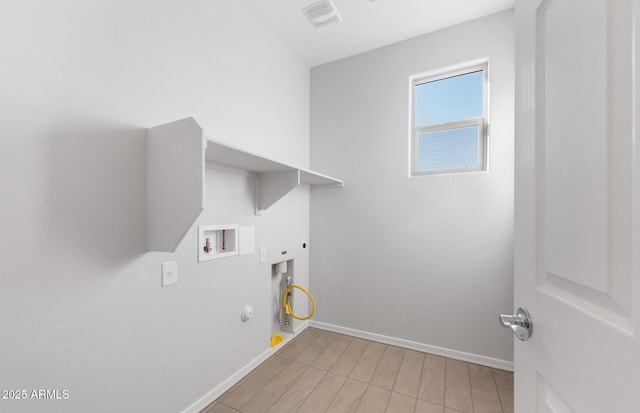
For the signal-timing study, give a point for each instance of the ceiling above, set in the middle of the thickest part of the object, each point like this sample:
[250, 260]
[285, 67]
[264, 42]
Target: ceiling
[367, 24]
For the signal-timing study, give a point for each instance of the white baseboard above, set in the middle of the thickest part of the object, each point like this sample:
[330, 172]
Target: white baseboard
[217, 391]
[412, 345]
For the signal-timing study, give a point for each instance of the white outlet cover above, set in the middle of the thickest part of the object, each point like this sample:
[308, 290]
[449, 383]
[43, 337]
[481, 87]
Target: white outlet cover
[169, 273]
[263, 254]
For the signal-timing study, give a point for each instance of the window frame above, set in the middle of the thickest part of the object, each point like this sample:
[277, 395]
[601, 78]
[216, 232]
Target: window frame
[481, 122]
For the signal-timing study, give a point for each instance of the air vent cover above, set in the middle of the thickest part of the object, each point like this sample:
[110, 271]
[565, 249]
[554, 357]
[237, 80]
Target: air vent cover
[322, 13]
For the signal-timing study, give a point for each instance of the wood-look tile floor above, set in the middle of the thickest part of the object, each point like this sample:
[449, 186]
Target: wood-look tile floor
[321, 371]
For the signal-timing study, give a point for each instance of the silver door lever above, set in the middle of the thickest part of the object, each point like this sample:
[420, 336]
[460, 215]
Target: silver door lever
[520, 323]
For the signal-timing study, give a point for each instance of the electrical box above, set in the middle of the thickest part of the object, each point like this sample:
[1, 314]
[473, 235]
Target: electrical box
[217, 241]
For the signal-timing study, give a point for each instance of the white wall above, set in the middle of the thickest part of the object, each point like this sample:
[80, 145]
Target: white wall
[426, 259]
[81, 307]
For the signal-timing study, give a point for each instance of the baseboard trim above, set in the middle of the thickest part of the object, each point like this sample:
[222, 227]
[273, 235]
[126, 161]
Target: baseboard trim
[217, 391]
[412, 345]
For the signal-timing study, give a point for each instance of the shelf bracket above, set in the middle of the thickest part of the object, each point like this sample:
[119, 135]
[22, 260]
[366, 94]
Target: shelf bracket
[271, 186]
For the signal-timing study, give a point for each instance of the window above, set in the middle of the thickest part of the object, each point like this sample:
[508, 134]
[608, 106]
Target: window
[449, 121]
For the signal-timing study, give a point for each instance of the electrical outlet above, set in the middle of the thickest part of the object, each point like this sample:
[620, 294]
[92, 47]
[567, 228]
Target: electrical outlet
[263, 254]
[169, 273]
[304, 245]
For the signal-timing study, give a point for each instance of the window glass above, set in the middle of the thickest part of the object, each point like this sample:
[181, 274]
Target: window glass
[449, 99]
[449, 121]
[448, 149]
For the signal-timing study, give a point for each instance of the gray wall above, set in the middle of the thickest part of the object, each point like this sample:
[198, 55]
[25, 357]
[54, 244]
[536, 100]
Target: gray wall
[426, 259]
[81, 307]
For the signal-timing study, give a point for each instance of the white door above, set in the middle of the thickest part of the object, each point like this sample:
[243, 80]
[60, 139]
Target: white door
[577, 240]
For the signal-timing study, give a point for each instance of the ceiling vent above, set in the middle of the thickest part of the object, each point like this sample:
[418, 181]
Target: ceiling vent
[322, 13]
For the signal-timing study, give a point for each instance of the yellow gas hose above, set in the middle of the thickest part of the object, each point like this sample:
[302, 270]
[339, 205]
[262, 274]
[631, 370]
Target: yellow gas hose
[287, 305]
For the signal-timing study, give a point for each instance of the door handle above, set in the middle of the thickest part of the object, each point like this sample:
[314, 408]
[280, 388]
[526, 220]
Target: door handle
[520, 323]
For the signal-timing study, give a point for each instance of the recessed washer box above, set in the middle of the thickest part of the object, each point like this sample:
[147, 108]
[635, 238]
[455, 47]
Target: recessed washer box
[217, 241]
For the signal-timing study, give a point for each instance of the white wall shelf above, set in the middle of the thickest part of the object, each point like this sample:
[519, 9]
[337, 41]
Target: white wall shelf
[176, 155]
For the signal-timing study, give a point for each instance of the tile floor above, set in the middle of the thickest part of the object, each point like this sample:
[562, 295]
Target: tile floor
[321, 371]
